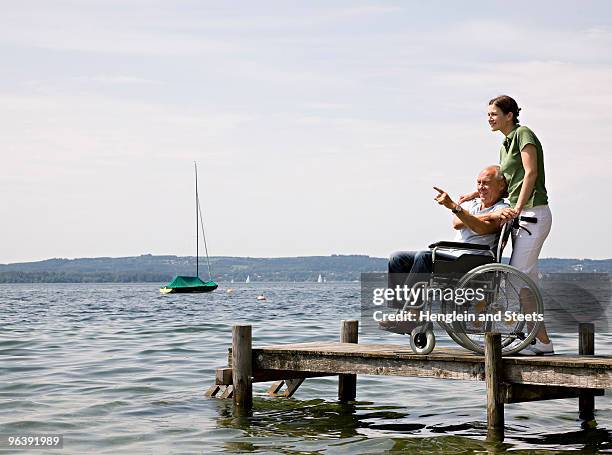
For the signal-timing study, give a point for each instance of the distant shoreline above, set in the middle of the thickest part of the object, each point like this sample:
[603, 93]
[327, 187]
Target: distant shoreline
[159, 269]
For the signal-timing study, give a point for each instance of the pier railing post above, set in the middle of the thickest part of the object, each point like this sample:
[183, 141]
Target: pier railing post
[493, 381]
[242, 368]
[347, 383]
[586, 346]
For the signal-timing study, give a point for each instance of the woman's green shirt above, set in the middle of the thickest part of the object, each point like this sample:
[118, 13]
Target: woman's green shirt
[512, 166]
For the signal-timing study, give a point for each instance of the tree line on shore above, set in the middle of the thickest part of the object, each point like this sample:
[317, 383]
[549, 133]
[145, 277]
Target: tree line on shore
[148, 268]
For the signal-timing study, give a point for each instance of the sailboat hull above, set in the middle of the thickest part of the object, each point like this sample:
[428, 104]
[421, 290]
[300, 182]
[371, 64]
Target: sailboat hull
[188, 284]
[189, 290]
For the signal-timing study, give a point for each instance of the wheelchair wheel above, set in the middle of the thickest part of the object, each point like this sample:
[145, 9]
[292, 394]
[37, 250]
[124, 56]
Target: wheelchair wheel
[510, 305]
[422, 340]
[450, 331]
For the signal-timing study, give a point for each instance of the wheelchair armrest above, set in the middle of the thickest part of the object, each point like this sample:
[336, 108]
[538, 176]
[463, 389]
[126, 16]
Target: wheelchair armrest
[460, 245]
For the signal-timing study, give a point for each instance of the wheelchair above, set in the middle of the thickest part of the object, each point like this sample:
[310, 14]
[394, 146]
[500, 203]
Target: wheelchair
[509, 302]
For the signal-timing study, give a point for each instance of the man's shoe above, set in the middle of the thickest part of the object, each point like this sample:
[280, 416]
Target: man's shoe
[401, 327]
[538, 348]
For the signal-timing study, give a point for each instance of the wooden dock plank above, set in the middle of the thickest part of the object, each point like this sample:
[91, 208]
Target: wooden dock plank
[223, 376]
[520, 393]
[371, 350]
[397, 366]
[592, 372]
[392, 351]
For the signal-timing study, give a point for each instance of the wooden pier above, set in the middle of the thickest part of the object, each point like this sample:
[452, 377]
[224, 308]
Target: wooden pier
[508, 379]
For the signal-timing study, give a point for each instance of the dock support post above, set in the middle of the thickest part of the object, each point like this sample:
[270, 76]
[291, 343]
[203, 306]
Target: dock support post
[347, 383]
[242, 369]
[586, 346]
[493, 381]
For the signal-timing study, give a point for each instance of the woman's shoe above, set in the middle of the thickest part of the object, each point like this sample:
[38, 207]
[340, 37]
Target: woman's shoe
[538, 348]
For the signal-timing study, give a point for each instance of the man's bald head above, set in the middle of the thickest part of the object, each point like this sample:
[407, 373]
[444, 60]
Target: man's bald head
[491, 185]
[494, 169]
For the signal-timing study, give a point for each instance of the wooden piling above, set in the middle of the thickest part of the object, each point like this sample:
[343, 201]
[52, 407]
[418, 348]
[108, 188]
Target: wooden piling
[242, 368]
[493, 381]
[347, 383]
[586, 346]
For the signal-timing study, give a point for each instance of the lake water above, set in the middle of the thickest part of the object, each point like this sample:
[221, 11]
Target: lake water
[123, 369]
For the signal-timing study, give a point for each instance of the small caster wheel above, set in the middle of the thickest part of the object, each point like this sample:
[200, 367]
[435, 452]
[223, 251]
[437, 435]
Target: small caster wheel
[422, 341]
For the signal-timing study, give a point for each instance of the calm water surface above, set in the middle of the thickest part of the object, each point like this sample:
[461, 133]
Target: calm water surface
[122, 369]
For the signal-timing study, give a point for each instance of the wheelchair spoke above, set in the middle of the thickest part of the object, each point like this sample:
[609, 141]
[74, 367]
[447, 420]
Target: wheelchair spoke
[518, 292]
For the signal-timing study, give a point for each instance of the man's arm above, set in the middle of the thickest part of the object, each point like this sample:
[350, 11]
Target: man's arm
[487, 218]
[482, 224]
[457, 223]
[487, 223]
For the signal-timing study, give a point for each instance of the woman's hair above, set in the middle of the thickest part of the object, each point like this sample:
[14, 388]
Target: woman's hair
[507, 104]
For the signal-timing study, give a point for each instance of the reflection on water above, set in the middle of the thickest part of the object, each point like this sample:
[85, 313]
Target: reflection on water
[122, 369]
[278, 423]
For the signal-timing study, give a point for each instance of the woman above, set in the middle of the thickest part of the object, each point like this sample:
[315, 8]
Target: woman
[522, 163]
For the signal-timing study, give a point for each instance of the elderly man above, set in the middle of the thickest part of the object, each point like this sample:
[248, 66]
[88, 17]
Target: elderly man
[476, 221]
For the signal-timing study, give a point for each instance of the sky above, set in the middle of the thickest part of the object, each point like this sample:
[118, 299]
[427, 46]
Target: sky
[319, 127]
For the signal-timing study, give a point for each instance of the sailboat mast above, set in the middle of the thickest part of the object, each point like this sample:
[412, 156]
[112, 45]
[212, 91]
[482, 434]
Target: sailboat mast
[204, 237]
[197, 205]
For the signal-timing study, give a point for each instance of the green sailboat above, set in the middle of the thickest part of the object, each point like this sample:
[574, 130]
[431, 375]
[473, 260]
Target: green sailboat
[190, 284]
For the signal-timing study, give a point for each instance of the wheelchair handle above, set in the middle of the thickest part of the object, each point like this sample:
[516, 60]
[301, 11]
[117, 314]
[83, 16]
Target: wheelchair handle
[528, 219]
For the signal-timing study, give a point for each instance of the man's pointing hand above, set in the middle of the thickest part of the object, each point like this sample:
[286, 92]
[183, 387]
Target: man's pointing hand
[444, 199]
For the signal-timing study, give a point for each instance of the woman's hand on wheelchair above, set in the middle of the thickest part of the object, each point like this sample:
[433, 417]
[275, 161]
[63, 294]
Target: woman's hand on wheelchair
[506, 214]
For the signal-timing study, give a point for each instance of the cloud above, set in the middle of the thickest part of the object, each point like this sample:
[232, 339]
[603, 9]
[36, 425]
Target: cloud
[123, 80]
[100, 28]
[71, 127]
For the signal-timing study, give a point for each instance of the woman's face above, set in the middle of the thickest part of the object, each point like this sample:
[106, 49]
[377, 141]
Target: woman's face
[498, 120]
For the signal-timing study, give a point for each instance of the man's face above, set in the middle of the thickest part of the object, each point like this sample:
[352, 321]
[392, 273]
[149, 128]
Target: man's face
[489, 189]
